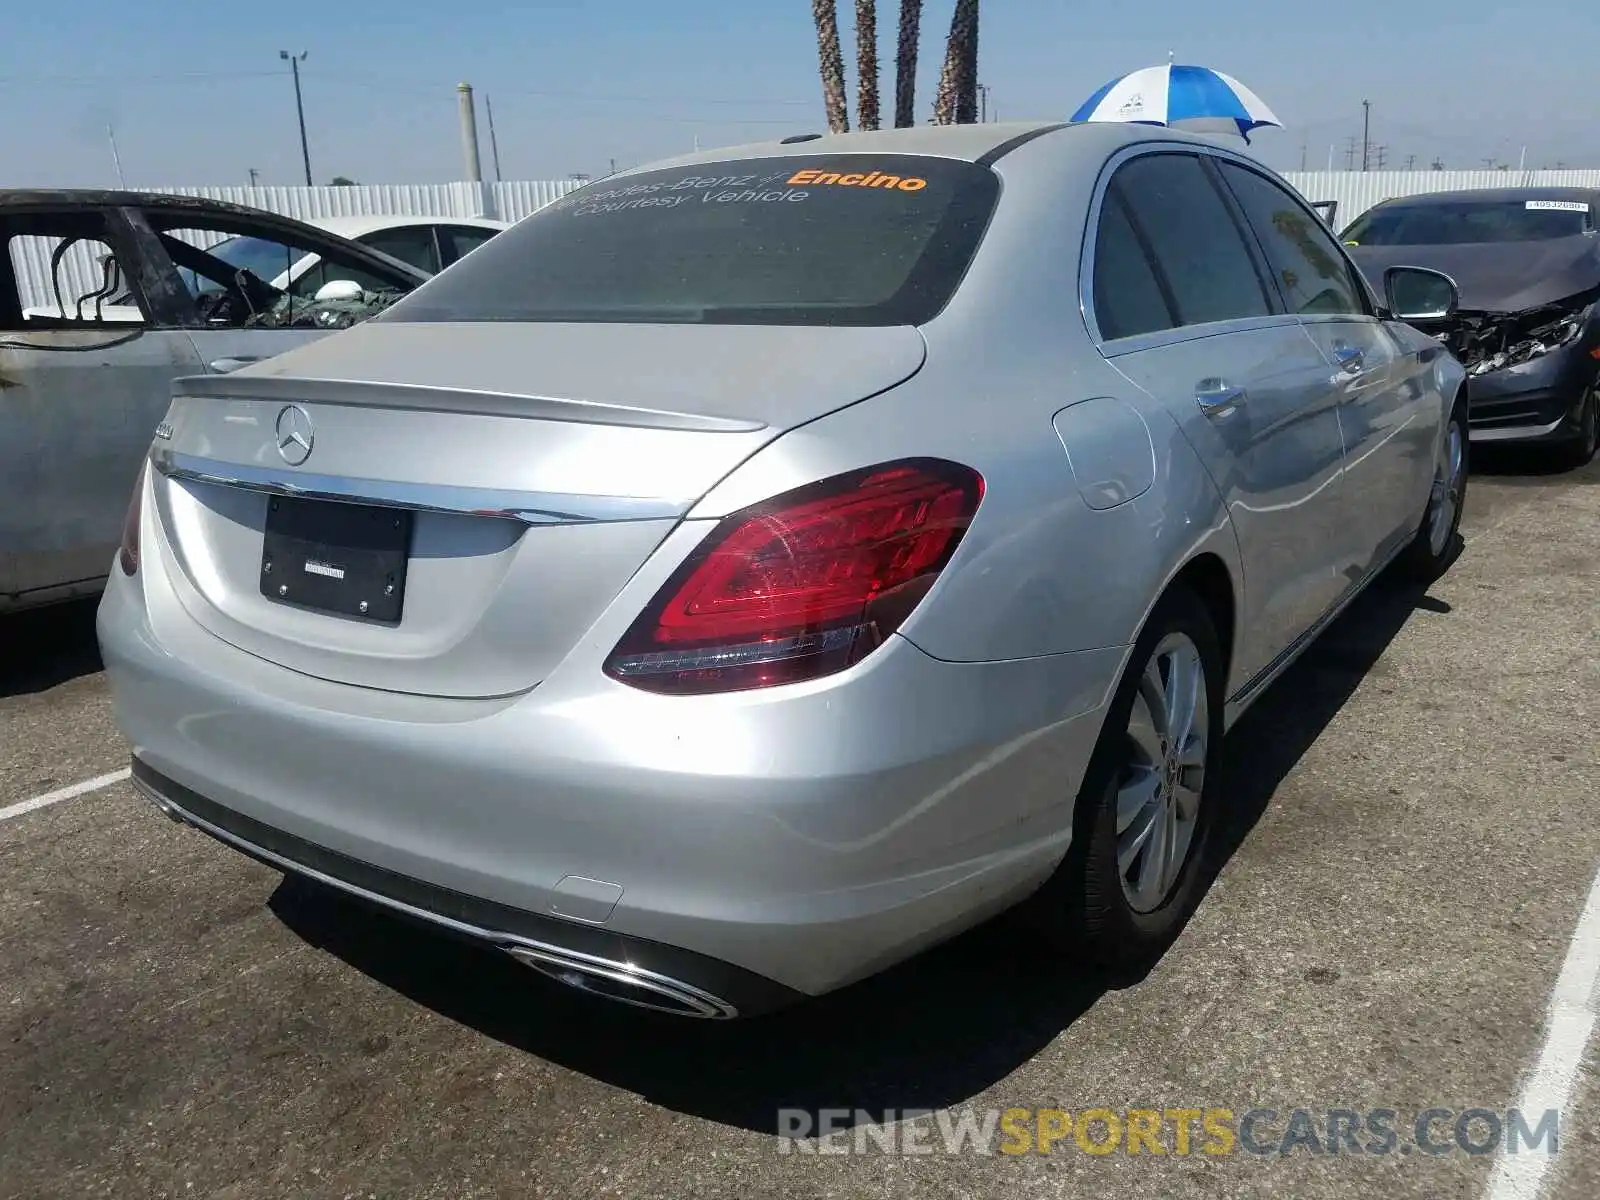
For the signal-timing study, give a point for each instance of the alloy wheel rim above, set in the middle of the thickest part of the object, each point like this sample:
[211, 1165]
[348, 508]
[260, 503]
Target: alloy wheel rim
[1160, 788]
[1448, 476]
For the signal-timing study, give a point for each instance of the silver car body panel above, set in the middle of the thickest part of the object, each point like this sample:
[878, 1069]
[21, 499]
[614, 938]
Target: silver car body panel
[813, 832]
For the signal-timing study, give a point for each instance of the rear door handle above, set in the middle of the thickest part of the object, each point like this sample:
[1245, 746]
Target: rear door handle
[223, 366]
[1350, 358]
[1217, 397]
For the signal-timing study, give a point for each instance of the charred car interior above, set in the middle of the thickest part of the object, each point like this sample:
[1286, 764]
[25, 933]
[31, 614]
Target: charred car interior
[105, 298]
[1526, 263]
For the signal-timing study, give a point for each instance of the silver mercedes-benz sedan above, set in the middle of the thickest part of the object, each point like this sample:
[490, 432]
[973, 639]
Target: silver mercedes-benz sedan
[754, 568]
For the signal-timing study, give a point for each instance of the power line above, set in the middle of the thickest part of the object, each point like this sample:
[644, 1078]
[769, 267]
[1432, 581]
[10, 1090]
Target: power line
[387, 81]
[123, 81]
[334, 76]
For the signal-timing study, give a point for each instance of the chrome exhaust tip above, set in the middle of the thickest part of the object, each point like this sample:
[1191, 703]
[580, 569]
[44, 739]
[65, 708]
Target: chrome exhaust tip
[624, 983]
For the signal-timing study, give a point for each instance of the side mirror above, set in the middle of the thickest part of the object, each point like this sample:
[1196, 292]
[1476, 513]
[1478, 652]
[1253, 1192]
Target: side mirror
[337, 291]
[1418, 294]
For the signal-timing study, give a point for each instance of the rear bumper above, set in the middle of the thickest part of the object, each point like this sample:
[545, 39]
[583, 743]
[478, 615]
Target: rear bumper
[1536, 402]
[757, 848]
[652, 974]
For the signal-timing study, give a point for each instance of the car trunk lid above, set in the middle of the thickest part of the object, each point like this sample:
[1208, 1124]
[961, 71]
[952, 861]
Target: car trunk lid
[528, 470]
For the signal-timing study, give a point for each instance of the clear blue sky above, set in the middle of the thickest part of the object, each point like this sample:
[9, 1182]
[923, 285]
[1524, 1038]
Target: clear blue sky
[198, 95]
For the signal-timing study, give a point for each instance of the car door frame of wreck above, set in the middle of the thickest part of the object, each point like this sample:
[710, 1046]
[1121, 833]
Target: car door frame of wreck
[72, 431]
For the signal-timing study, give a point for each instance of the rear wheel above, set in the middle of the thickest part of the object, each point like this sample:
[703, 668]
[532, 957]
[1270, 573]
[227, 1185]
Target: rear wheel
[1434, 547]
[1145, 809]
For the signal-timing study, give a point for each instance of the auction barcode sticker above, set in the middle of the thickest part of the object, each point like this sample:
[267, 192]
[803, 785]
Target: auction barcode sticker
[1558, 206]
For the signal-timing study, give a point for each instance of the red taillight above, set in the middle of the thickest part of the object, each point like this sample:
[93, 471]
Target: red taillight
[801, 585]
[128, 553]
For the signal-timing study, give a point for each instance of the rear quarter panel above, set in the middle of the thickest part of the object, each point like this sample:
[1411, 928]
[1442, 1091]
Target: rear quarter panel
[1040, 571]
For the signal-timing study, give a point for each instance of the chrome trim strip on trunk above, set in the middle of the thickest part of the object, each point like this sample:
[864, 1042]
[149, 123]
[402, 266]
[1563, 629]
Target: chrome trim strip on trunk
[531, 508]
[551, 961]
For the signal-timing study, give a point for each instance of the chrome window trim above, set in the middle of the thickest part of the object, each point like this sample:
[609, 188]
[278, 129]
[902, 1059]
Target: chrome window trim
[530, 508]
[1116, 347]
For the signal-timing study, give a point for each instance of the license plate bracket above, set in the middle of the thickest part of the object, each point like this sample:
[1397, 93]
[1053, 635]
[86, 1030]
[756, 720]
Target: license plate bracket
[331, 557]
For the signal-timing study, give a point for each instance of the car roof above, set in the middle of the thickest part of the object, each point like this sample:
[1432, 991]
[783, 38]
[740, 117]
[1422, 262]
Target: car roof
[1500, 195]
[115, 198]
[977, 143]
[356, 226]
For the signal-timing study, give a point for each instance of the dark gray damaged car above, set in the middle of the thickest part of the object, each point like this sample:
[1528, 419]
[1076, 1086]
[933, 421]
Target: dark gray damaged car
[1526, 262]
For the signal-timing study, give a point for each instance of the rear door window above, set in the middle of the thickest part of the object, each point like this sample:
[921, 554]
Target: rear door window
[1128, 299]
[460, 240]
[409, 243]
[1199, 250]
[860, 239]
[68, 275]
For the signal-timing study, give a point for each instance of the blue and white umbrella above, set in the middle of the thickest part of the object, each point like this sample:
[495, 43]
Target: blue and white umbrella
[1196, 98]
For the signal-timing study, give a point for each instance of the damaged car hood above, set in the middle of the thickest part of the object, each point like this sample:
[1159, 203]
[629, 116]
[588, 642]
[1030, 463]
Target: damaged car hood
[1497, 277]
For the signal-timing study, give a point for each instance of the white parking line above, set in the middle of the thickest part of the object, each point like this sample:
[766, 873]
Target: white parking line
[66, 793]
[1567, 1029]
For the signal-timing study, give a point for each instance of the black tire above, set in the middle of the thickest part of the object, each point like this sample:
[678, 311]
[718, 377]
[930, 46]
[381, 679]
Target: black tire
[1083, 908]
[1581, 450]
[1428, 557]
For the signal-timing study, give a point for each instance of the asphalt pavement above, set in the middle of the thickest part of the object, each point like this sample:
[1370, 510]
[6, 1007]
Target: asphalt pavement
[1408, 849]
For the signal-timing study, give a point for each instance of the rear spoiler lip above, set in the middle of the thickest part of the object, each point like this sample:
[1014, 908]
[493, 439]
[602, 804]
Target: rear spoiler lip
[414, 397]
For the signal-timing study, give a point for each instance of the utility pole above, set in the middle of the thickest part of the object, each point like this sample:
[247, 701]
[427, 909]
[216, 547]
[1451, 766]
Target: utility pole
[254, 174]
[1411, 161]
[983, 103]
[1366, 132]
[294, 61]
[1302, 156]
[1380, 154]
[469, 132]
[1350, 153]
[494, 146]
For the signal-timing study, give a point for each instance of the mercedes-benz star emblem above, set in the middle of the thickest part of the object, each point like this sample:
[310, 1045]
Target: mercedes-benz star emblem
[296, 435]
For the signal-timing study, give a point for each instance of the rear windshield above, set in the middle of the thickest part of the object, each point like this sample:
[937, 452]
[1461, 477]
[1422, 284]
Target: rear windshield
[1472, 221]
[805, 240]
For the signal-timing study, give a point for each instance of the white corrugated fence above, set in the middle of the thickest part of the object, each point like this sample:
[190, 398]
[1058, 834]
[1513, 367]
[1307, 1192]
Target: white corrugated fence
[1354, 192]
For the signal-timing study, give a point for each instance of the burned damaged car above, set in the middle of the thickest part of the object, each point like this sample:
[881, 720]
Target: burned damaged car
[1526, 262]
[105, 298]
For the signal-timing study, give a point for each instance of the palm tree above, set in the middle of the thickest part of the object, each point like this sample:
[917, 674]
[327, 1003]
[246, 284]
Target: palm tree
[957, 101]
[832, 61]
[905, 70]
[866, 64]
